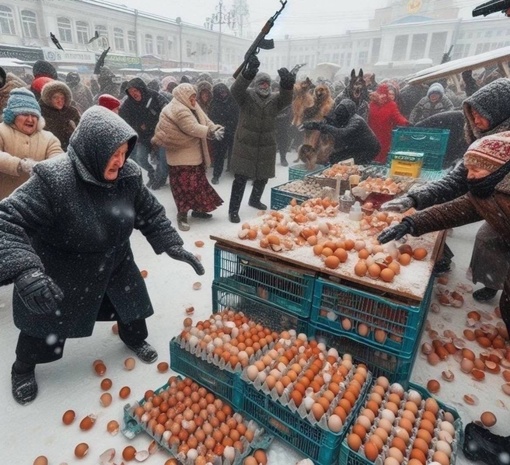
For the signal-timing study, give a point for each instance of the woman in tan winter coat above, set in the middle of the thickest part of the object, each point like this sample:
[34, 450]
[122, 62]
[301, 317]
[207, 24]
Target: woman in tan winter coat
[183, 130]
[23, 142]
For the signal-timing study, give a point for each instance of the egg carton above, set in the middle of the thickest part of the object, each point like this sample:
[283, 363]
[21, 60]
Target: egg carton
[446, 434]
[133, 426]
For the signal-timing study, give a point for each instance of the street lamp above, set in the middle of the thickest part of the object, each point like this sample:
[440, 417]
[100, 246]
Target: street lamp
[178, 20]
[220, 18]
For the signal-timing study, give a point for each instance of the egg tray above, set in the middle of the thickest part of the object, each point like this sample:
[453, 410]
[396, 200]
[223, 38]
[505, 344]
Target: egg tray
[300, 171]
[401, 322]
[290, 288]
[317, 443]
[258, 310]
[397, 368]
[132, 427]
[351, 457]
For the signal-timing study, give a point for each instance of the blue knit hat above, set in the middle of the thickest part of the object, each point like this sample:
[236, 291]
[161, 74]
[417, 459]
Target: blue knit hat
[21, 102]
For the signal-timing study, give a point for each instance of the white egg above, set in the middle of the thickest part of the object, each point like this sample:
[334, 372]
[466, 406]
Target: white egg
[387, 414]
[443, 446]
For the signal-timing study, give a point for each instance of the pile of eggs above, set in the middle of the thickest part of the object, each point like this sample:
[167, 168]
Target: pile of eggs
[401, 427]
[228, 339]
[195, 425]
[340, 170]
[319, 384]
[381, 186]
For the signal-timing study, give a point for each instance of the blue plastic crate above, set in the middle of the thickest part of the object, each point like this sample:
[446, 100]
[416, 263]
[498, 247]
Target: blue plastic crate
[264, 313]
[132, 426]
[432, 142]
[401, 320]
[397, 368]
[300, 171]
[281, 199]
[285, 286]
[218, 381]
[320, 445]
[350, 457]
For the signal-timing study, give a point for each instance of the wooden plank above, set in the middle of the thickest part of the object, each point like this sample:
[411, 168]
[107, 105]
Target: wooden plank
[498, 56]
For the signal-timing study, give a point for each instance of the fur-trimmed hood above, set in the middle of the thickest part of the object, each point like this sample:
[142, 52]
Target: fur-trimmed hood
[51, 88]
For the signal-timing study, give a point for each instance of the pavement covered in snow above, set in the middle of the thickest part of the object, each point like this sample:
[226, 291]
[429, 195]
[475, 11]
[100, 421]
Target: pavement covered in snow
[71, 383]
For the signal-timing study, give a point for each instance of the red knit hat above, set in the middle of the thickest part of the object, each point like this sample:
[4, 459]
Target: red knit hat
[108, 101]
[39, 83]
[489, 152]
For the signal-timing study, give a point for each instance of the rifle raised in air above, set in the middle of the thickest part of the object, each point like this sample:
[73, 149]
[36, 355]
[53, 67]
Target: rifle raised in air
[261, 41]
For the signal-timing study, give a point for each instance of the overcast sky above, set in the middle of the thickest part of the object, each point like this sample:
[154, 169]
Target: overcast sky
[299, 18]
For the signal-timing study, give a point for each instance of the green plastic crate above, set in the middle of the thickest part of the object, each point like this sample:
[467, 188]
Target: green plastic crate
[285, 286]
[402, 321]
[281, 199]
[432, 142]
[300, 171]
[350, 457]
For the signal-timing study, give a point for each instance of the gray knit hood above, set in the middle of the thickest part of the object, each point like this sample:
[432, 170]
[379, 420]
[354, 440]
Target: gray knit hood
[96, 138]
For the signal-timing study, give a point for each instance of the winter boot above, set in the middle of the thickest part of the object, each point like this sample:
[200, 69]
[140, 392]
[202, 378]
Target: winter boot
[234, 217]
[484, 294]
[202, 215]
[256, 194]
[236, 197]
[283, 160]
[215, 180]
[182, 221]
[145, 352]
[481, 444]
[23, 383]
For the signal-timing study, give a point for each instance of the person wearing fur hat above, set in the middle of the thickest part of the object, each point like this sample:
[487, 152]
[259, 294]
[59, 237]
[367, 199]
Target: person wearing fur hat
[58, 110]
[8, 81]
[254, 151]
[383, 117]
[433, 103]
[67, 249]
[183, 130]
[82, 95]
[141, 110]
[487, 163]
[23, 141]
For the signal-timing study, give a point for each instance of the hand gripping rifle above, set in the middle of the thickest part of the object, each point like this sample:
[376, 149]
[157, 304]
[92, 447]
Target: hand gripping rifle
[261, 41]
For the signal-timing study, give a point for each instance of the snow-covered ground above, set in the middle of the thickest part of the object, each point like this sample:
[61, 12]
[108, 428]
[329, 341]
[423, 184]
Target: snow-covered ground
[71, 383]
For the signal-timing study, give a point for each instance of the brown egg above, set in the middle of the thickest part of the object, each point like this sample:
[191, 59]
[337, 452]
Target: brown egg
[441, 457]
[361, 268]
[68, 417]
[404, 259]
[399, 443]
[359, 430]
[419, 253]
[124, 392]
[432, 405]
[354, 442]
[332, 262]
[374, 270]
[129, 453]
[488, 419]
[129, 363]
[41, 460]
[433, 386]
[81, 450]
[425, 435]
[87, 422]
[260, 456]
[317, 411]
[106, 384]
[371, 451]
[418, 455]
[387, 275]
[162, 367]
[420, 443]
[106, 399]
[427, 425]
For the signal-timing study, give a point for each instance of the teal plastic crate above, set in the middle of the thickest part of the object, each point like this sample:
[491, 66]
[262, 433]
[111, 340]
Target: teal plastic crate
[432, 142]
[132, 426]
[320, 445]
[218, 381]
[264, 313]
[281, 199]
[397, 368]
[401, 321]
[350, 457]
[300, 171]
[285, 286]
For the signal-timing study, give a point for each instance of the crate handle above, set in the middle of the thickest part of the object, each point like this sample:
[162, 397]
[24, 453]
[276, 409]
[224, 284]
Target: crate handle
[206, 379]
[279, 426]
[416, 137]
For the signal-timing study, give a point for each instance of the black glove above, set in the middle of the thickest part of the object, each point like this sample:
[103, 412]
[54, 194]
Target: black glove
[313, 125]
[287, 79]
[252, 67]
[38, 292]
[396, 232]
[178, 253]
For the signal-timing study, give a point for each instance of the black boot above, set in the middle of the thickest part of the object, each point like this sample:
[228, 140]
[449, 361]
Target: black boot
[23, 384]
[484, 294]
[236, 197]
[481, 444]
[283, 160]
[145, 352]
[202, 215]
[256, 194]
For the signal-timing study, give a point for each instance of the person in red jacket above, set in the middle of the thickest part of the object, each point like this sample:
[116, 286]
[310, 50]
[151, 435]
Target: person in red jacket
[383, 116]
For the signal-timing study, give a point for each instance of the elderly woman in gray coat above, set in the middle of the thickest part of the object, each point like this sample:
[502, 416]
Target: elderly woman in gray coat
[65, 243]
[254, 150]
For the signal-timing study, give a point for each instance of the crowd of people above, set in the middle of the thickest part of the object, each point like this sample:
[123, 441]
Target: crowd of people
[71, 145]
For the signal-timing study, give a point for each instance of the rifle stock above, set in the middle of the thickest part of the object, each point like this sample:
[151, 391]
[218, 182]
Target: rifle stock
[260, 41]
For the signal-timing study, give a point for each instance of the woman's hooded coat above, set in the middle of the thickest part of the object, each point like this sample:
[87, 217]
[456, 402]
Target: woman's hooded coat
[69, 222]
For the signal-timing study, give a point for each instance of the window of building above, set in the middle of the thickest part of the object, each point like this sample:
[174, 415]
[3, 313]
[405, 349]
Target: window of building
[131, 36]
[6, 20]
[418, 44]
[160, 45]
[437, 47]
[400, 48]
[335, 57]
[170, 45]
[188, 48]
[82, 32]
[362, 58]
[118, 37]
[376, 50]
[29, 24]
[65, 33]
[149, 44]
